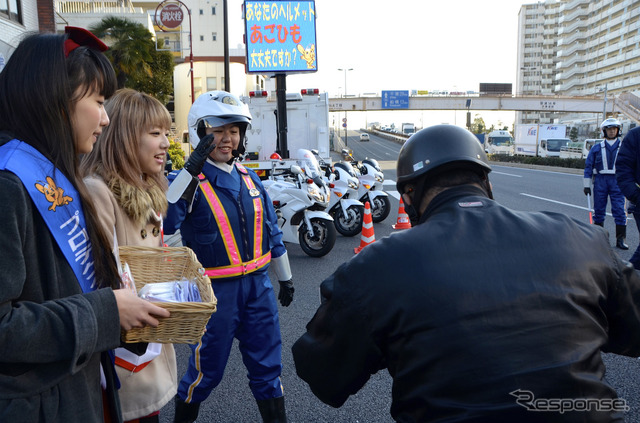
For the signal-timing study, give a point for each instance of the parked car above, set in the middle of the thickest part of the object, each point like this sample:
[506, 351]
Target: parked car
[364, 137]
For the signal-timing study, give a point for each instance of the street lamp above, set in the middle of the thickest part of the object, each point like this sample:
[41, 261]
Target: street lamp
[345, 96]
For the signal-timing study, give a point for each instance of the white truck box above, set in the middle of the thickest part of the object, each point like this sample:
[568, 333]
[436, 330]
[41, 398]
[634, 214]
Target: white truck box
[307, 127]
[528, 136]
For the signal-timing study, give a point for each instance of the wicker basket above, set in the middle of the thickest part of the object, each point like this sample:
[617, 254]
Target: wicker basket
[188, 320]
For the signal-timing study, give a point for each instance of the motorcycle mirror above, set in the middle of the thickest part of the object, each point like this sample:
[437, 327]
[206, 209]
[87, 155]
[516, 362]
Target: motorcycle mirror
[296, 170]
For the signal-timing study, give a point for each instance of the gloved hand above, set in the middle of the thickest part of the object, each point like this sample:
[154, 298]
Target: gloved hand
[587, 191]
[199, 156]
[286, 292]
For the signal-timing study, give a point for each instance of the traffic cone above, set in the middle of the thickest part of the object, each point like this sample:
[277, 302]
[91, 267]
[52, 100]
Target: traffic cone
[367, 236]
[403, 218]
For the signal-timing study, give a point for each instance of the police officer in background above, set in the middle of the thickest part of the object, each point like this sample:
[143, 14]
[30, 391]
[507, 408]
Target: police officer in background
[226, 217]
[478, 311]
[600, 167]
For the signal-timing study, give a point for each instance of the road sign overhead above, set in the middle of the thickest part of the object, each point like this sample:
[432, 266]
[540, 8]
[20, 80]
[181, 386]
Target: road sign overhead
[395, 99]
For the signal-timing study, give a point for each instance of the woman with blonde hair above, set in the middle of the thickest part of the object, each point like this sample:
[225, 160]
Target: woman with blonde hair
[125, 174]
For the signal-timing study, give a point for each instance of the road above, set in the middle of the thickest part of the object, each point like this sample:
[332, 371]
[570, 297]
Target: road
[518, 188]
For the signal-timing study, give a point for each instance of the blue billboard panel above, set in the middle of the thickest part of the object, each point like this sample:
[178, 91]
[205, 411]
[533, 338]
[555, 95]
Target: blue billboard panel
[395, 99]
[280, 36]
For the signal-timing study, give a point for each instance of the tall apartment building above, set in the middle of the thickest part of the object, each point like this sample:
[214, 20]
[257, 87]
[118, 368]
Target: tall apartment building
[537, 54]
[596, 45]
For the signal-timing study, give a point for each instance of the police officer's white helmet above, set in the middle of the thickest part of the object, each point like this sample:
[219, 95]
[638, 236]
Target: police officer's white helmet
[611, 123]
[214, 109]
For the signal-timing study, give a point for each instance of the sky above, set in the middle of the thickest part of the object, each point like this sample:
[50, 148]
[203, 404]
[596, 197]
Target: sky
[451, 45]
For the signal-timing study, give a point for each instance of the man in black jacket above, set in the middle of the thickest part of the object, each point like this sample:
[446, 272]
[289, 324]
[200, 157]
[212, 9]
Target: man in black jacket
[480, 313]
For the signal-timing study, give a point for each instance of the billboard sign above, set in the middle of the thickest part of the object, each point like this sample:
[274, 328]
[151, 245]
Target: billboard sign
[280, 36]
[395, 99]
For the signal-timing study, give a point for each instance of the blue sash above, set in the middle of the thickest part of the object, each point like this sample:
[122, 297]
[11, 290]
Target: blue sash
[59, 204]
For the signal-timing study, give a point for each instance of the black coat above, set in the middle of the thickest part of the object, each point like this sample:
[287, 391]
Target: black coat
[471, 310]
[51, 334]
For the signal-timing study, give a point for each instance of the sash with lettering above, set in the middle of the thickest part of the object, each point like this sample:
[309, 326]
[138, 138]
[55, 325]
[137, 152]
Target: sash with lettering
[59, 204]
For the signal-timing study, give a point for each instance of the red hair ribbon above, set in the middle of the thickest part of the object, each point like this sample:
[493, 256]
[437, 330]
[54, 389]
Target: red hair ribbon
[77, 37]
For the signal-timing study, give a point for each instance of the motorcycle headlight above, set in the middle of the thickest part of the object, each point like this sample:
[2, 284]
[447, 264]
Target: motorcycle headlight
[315, 194]
[380, 177]
[352, 184]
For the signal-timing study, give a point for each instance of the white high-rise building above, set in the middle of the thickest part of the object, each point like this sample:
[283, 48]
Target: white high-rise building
[587, 48]
[537, 48]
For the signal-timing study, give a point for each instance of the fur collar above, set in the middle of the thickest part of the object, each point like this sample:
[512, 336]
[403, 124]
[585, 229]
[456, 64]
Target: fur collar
[141, 205]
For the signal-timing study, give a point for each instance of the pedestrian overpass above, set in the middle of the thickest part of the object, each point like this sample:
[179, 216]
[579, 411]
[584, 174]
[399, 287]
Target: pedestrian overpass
[626, 104]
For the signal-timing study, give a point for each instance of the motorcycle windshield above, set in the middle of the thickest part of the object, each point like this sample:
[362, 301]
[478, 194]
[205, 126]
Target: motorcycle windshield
[308, 162]
[374, 163]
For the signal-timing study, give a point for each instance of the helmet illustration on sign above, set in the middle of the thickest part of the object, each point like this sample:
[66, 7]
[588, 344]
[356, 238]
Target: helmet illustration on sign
[439, 147]
[611, 123]
[214, 109]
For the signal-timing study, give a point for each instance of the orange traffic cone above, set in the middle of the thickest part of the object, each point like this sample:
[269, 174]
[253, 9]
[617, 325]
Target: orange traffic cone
[367, 236]
[403, 218]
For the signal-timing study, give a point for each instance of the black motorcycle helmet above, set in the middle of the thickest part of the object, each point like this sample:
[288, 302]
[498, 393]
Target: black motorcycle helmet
[435, 149]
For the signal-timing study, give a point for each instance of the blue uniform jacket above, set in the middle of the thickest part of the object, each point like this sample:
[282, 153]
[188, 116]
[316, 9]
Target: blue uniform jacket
[594, 159]
[200, 231]
[628, 166]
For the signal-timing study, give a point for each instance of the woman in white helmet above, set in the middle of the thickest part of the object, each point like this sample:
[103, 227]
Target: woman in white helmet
[600, 167]
[225, 215]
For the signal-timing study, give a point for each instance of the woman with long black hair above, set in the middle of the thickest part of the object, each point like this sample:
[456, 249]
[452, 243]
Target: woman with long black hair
[58, 279]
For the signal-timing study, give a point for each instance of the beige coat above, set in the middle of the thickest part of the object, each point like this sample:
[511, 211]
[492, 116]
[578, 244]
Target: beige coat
[151, 388]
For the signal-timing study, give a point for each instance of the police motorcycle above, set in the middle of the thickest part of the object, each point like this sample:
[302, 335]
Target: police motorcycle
[347, 212]
[370, 190]
[300, 198]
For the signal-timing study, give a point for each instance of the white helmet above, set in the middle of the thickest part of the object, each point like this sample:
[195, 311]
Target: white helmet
[214, 109]
[610, 123]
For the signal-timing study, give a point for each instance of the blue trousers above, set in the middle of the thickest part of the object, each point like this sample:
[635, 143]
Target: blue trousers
[604, 187]
[246, 310]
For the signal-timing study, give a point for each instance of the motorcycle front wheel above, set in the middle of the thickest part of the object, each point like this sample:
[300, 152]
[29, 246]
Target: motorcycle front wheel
[351, 224]
[323, 239]
[380, 209]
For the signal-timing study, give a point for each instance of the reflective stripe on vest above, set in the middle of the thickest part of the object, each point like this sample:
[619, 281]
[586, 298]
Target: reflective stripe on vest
[605, 163]
[237, 267]
[238, 270]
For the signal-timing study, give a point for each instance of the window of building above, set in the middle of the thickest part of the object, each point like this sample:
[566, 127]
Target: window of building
[213, 10]
[212, 83]
[11, 9]
[202, 38]
[201, 11]
[214, 36]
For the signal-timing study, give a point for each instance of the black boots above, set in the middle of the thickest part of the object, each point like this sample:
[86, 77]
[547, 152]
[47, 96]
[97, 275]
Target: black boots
[186, 412]
[621, 234]
[272, 410]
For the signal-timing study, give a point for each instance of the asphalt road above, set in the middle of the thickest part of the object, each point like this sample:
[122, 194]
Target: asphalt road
[518, 188]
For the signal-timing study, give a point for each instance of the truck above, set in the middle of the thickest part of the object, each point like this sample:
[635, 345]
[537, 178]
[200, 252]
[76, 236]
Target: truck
[307, 127]
[529, 137]
[408, 128]
[550, 147]
[499, 142]
[578, 149]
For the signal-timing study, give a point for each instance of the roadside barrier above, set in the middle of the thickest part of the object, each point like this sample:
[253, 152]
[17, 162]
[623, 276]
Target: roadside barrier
[403, 218]
[367, 236]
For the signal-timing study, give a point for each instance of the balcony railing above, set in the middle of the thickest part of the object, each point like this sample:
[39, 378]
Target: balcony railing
[102, 7]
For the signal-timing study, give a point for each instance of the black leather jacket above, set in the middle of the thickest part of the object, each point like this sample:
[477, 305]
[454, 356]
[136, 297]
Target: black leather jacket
[477, 313]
